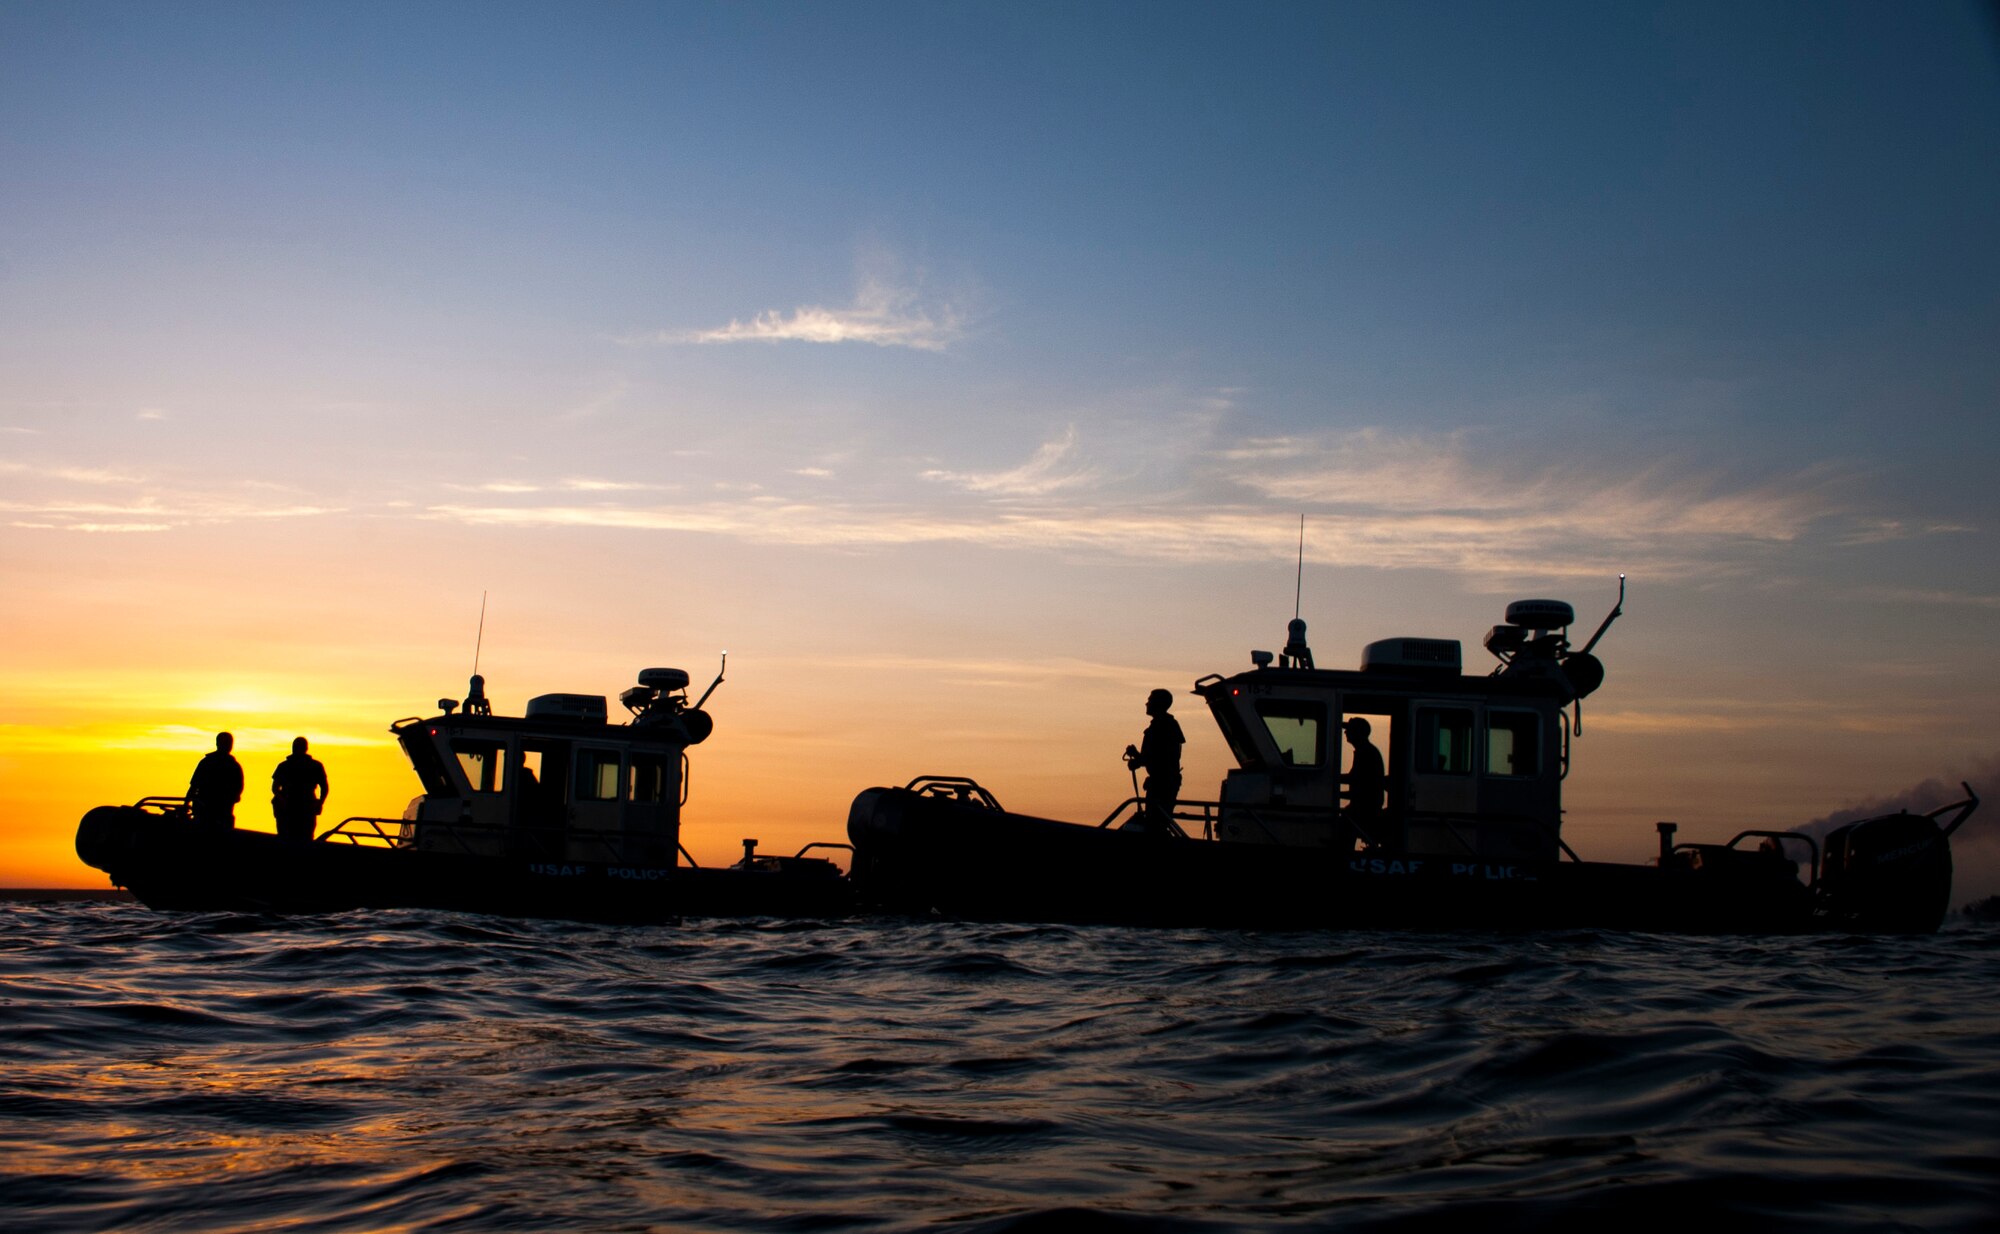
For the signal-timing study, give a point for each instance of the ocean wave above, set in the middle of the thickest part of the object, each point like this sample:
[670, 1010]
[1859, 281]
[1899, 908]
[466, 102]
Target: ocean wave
[426, 1071]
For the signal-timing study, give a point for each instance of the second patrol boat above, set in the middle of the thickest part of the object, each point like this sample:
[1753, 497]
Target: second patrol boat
[1466, 829]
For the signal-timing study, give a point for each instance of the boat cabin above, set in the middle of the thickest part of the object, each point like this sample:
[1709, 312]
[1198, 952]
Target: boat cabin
[560, 783]
[1473, 765]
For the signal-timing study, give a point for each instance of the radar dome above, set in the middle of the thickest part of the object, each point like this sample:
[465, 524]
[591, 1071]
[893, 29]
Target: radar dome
[664, 679]
[1540, 614]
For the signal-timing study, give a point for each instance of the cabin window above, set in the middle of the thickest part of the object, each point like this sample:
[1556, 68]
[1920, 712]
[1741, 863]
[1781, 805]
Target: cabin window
[1297, 729]
[597, 775]
[1444, 741]
[649, 778]
[1513, 745]
[483, 762]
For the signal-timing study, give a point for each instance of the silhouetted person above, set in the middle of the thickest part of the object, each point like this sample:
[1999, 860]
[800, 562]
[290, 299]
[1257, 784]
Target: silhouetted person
[298, 790]
[216, 787]
[1159, 752]
[1365, 780]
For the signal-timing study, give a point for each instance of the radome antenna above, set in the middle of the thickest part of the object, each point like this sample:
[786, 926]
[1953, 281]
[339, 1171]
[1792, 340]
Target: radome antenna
[1299, 584]
[479, 640]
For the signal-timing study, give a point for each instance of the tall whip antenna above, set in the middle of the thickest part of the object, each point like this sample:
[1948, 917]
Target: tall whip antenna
[479, 641]
[1299, 584]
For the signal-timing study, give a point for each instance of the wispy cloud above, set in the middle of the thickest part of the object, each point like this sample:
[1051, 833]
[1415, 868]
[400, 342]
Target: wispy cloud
[1374, 499]
[882, 315]
[598, 403]
[574, 484]
[147, 505]
[1919, 595]
[114, 528]
[71, 475]
[586, 484]
[1052, 468]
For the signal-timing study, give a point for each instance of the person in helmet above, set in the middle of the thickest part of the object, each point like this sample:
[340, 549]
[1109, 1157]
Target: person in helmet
[1159, 754]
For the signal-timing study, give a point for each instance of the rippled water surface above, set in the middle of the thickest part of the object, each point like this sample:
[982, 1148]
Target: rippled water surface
[421, 1071]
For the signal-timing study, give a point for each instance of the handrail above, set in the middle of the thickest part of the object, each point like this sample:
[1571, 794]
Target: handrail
[1812, 848]
[823, 844]
[1137, 806]
[963, 789]
[374, 834]
[1209, 814]
[548, 843]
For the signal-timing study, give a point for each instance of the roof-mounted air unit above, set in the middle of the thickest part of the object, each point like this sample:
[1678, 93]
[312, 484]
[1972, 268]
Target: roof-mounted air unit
[1412, 655]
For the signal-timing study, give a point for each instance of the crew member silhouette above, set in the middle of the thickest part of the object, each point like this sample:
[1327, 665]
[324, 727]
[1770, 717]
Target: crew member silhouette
[1365, 780]
[298, 790]
[216, 787]
[1159, 752]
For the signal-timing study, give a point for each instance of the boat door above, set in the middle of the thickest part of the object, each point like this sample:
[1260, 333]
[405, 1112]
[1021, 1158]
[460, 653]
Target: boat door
[653, 807]
[481, 761]
[540, 811]
[1441, 759]
[596, 811]
[1516, 777]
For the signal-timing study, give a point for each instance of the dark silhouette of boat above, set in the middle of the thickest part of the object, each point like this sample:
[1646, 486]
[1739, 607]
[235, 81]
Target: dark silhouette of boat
[1469, 834]
[555, 813]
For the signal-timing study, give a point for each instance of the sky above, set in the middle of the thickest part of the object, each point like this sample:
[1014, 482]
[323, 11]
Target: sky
[964, 369]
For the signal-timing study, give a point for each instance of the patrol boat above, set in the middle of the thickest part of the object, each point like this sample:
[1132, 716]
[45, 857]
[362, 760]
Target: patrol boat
[555, 813]
[1470, 834]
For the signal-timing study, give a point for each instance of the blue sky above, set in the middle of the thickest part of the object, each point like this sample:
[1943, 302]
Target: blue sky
[915, 330]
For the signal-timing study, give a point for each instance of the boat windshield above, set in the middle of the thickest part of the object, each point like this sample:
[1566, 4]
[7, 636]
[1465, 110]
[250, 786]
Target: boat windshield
[1297, 728]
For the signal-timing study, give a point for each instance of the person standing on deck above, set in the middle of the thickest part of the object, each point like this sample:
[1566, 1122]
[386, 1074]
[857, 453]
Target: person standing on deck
[1159, 752]
[1365, 780]
[298, 792]
[216, 787]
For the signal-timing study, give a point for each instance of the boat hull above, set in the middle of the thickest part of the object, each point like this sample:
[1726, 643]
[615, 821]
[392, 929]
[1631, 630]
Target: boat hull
[922, 853]
[168, 864]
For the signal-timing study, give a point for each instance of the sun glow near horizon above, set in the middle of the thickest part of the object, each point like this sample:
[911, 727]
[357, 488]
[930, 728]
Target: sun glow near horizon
[965, 424]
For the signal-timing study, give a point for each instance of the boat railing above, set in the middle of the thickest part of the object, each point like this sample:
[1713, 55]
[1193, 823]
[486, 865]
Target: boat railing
[1203, 812]
[481, 838]
[1209, 814]
[172, 807]
[369, 831]
[1778, 841]
[825, 844]
[1694, 855]
[962, 789]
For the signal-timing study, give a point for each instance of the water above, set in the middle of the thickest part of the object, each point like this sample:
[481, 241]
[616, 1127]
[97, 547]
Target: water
[430, 1071]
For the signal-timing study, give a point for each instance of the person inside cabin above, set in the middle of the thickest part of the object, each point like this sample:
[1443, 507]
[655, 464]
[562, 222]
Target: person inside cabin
[298, 793]
[1159, 753]
[216, 787]
[1365, 780]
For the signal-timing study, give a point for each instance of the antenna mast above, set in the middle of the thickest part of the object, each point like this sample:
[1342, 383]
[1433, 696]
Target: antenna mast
[1296, 653]
[1299, 584]
[479, 640]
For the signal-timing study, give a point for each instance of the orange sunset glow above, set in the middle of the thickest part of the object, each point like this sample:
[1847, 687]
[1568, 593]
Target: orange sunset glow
[963, 414]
